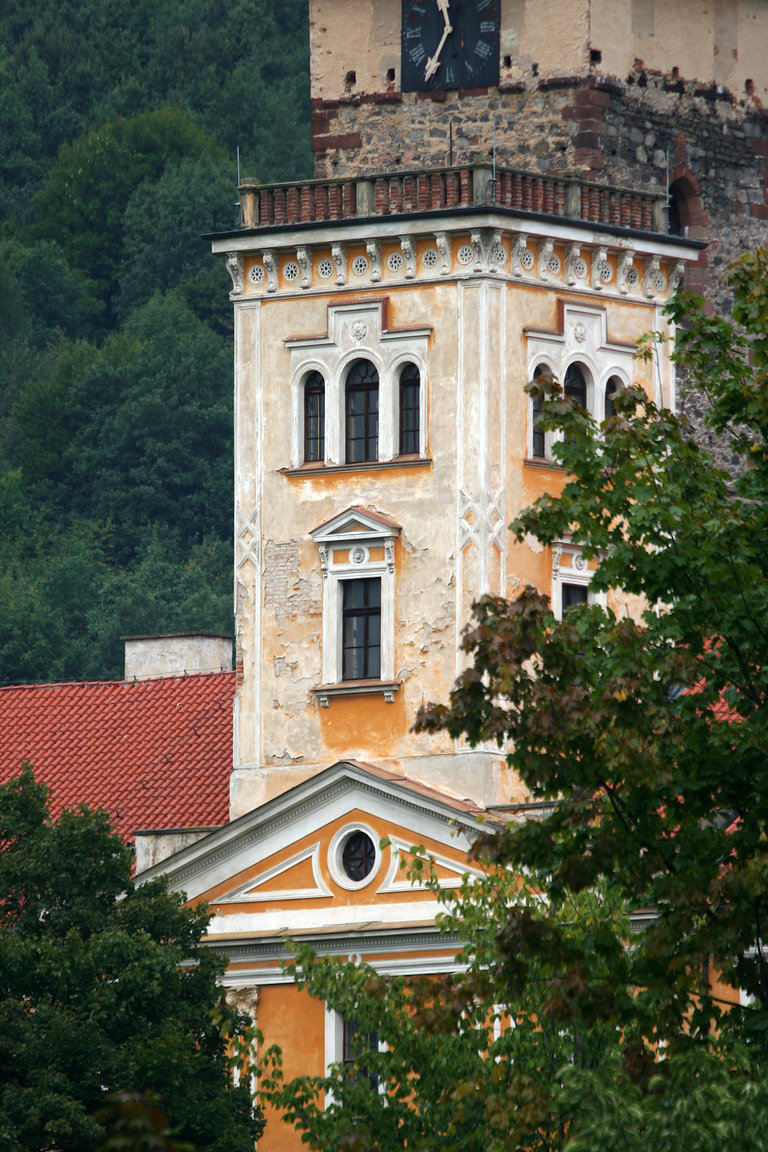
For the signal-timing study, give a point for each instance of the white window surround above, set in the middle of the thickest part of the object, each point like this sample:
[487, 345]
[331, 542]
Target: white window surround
[334, 1040]
[575, 571]
[357, 332]
[345, 544]
[581, 340]
[336, 849]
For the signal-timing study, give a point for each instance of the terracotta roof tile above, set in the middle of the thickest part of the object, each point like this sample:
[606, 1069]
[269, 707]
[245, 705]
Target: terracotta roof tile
[155, 753]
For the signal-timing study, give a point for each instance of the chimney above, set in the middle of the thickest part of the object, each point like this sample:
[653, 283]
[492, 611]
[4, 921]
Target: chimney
[176, 654]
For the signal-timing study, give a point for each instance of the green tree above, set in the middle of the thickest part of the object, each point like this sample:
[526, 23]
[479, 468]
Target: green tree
[105, 987]
[84, 198]
[149, 422]
[462, 1065]
[649, 737]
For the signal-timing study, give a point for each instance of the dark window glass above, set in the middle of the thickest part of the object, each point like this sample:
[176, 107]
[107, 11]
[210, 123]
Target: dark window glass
[572, 596]
[611, 389]
[361, 629]
[362, 413]
[576, 385]
[358, 856]
[356, 1044]
[538, 432]
[410, 392]
[314, 417]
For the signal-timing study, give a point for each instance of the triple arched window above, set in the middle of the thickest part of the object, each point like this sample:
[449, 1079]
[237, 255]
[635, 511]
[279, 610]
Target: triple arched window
[372, 419]
[580, 385]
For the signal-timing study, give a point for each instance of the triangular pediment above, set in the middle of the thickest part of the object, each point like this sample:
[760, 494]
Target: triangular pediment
[356, 523]
[326, 857]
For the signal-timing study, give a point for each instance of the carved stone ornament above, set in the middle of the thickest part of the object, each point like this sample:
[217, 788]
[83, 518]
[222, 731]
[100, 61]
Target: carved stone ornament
[408, 249]
[675, 276]
[557, 555]
[546, 248]
[484, 242]
[358, 330]
[389, 554]
[304, 260]
[649, 275]
[323, 550]
[579, 332]
[358, 554]
[339, 255]
[270, 263]
[578, 563]
[373, 248]
[599, 257]
[444, 249]
[518, 247]
[622, 268]
[244, 1000]
[572, 254]
[235, 269]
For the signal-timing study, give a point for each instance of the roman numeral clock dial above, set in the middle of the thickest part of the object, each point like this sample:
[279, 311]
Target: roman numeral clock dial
[449, 44]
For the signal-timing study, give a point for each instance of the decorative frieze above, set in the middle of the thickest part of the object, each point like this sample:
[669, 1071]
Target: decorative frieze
[481, 251]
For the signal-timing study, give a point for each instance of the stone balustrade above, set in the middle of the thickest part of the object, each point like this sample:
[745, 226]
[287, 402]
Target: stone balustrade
[397, 194]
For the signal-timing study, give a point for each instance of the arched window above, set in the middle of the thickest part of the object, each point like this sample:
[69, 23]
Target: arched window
[409, 409]
[611, 388]
[538, 437]
[575, 384]
[314, 417]
[362, 413]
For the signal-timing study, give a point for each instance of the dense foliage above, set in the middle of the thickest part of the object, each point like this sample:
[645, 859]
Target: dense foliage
[105, 988]
[647, 732]
[119, 126]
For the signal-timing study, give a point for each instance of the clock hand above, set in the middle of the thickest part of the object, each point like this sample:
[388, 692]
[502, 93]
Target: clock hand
[433, 63]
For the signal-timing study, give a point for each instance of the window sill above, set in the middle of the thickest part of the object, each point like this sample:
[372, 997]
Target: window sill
[313, 469]
[386, 688]
[543, 462]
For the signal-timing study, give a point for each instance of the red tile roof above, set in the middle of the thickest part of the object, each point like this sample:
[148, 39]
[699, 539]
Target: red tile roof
[155, 753]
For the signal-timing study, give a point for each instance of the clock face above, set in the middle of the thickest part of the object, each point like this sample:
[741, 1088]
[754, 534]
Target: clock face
[450, 44]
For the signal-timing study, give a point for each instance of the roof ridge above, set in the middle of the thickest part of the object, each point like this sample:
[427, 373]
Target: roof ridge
[42, 684]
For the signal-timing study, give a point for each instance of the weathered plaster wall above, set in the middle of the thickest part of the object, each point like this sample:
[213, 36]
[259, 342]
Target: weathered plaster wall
[452, 507]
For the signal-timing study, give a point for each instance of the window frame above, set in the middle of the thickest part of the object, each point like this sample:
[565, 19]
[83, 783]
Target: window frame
[314, 385]
[356, 332]
[356, 545]
[335, 1047]
[367, 616]
[575, 574]
[367, 388]
[409, 367]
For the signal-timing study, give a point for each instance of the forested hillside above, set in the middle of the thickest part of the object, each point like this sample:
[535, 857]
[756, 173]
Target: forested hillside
[119, 125]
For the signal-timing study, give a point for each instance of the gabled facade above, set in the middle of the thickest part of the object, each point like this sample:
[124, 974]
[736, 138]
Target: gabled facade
[322, 863]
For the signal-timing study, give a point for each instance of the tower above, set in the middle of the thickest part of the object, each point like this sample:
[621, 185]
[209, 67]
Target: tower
[387, 317]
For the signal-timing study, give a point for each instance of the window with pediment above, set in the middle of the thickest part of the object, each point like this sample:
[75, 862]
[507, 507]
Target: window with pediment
[571, 579]
[357, 557]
